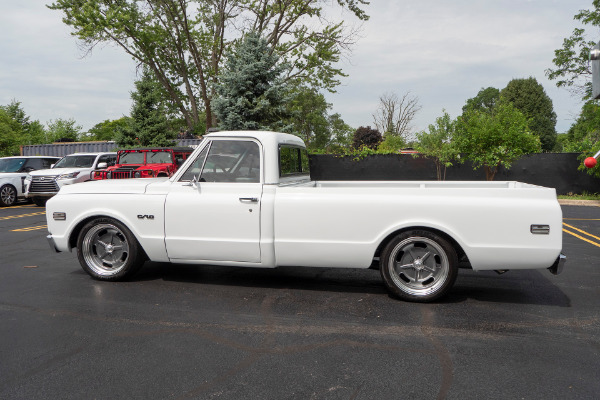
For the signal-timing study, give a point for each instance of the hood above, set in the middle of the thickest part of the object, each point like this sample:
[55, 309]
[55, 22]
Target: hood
[56, 171]
[110, 186]
[12, 174]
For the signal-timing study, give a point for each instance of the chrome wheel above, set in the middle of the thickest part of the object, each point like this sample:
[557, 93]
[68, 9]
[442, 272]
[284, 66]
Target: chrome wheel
[8, 195]
[105, 249]
[419, 266]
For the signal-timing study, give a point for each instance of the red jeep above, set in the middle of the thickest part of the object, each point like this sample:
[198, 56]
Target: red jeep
[145, 163]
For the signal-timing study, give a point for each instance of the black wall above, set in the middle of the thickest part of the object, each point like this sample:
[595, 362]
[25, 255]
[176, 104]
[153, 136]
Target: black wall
[551, 170]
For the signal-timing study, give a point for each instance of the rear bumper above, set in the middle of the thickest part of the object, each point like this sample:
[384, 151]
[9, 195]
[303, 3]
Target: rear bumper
[558, 265]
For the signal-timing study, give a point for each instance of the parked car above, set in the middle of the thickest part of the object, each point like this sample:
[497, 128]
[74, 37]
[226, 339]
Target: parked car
[74, 168]
[14, 170]
[246, 199]
[145, 163]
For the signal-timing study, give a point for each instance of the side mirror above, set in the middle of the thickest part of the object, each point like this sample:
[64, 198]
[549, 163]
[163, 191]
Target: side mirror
[102, 165]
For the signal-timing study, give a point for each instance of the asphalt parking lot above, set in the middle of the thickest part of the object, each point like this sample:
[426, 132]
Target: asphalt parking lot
[181, 331]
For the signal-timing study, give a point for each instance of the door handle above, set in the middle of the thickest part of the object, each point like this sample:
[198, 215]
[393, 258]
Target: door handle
[249, 199]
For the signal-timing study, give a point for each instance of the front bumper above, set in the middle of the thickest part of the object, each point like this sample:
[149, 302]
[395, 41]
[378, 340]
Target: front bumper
[52, 244]
[558, 265]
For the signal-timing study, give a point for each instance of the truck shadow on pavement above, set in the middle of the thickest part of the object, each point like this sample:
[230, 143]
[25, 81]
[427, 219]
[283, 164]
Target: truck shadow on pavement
[515, 287]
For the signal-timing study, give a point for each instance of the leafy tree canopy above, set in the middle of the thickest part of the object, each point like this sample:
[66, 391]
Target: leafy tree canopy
[107, 130]
[573, 70]
[490, 140]
[529, 97]
[148, 125]
[31, 132]
[485, 100]
[63, 130]
[584, 135]
[366, 137]
[10, 130]
[183, 41]
[437, 143]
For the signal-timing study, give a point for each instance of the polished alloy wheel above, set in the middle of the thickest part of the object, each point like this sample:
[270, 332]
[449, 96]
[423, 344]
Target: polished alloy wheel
[8, 195]
[105, 249]
[418, 266]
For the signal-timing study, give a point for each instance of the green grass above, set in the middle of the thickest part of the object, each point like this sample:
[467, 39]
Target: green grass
[583, 196]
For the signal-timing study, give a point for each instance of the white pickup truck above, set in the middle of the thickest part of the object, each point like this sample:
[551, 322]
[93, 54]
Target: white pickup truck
[246, 199]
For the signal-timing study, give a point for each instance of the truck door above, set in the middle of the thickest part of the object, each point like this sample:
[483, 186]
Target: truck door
[212, 213]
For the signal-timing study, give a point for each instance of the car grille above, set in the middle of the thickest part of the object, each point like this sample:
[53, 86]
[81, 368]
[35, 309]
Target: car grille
[120, 174]
[40, 184]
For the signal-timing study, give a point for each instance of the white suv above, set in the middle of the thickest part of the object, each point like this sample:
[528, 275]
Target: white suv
[74, 168]
[14, 170]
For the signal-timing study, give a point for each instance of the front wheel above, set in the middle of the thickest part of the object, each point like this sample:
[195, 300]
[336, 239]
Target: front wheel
[419, 266]
[108, 251]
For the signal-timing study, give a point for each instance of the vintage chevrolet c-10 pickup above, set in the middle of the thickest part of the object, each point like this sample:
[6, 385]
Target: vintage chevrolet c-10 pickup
[246, 199]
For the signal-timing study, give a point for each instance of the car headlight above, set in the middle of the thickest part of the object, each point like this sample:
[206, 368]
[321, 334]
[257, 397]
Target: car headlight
[138, 174]
[70, 175]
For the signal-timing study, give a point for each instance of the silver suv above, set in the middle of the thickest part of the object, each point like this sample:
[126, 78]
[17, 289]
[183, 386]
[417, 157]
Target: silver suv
[74, 168]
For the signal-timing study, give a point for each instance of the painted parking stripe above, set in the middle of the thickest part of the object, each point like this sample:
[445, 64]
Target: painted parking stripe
[581, 219]
[581, 231]
[22, 215]
[581, 237]
[31, 228]
[21, 206]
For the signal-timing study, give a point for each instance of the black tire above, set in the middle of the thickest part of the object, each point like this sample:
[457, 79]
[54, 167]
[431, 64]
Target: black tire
[40, 201]
[8, 195]
[108, 251]
[419, 266]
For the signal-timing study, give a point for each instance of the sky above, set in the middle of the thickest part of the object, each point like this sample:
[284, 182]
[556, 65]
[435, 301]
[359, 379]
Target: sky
[441, 51]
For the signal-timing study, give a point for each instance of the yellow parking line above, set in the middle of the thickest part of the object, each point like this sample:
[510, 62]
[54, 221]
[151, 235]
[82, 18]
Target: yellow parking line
[579, 230]
[21, 206]
[581, 237]
[31, 228]
[22, 215]
[581, 219]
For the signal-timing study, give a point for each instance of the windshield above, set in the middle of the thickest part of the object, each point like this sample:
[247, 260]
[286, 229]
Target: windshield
[131, 157]
[86, 161]
[11, 164]
[156, 157]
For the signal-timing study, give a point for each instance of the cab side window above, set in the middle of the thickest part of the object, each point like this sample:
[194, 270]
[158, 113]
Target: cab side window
[232, 161]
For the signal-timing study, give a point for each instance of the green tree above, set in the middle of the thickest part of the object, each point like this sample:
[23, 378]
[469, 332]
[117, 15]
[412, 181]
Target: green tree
[183, 41]
[308, 117]
[252, 94]
[573, 69]
[341, 133]
[437, 144]
[148, 125]
[10, 131]
[485, 100]
[31, 132]
[63, 130]
[490, 140]
[584, 135]
[108, 129]
[529, 97]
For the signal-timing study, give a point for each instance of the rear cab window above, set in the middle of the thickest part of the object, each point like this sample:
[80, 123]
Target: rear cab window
[293, 161]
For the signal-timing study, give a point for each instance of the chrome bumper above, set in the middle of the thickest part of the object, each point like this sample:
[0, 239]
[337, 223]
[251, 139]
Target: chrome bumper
[52, 244]
[558, 265]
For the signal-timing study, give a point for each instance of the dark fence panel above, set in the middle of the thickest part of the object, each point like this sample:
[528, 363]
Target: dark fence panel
[551, 170]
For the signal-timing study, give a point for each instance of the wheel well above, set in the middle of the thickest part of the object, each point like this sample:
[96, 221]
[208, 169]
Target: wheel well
[75, 232]
[459, 250]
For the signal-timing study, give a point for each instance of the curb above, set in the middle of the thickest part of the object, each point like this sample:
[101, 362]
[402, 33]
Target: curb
[588, 203]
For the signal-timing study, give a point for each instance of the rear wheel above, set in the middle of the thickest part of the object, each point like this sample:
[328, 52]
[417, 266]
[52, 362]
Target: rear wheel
[108, 251]
[8, 195]
[419, 266]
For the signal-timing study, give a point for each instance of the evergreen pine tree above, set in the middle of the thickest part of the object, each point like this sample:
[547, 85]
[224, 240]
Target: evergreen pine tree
[148, 125]
[251, 94]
